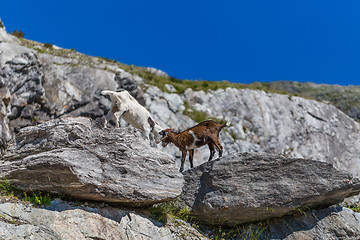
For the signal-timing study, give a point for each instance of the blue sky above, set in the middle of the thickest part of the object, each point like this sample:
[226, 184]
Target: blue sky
[240, 41]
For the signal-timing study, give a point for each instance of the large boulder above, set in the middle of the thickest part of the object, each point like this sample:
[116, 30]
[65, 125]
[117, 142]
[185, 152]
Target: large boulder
[76, 157]
[328, 223]
[248, 187]
[21, 221]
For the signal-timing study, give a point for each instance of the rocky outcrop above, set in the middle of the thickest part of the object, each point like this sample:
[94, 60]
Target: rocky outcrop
[21, 221]
[250, 187]
[46, 82]
[329, 223]
[49, 82]
[346, 98]
[264, 122]
[73, 156]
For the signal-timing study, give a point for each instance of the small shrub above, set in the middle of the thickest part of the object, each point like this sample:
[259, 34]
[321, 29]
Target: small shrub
[161, 211]
[253, 232]
[5, 187]
[233, 135]
[38, 198]
[354, 207]
[48, 45]
[18, 34]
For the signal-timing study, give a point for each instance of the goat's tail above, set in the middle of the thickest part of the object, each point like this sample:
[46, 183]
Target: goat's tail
[107, 92]
[227, 124]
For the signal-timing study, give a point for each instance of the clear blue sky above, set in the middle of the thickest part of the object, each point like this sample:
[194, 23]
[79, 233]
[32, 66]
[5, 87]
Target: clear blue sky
[239, 41]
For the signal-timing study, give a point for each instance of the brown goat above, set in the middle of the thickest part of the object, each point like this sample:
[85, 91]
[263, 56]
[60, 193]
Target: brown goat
[206, 132]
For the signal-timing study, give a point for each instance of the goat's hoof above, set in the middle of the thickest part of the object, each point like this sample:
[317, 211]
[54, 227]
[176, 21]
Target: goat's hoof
[181, 170]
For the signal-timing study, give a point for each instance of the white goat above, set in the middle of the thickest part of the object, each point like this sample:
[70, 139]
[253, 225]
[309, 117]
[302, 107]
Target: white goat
[124, 105]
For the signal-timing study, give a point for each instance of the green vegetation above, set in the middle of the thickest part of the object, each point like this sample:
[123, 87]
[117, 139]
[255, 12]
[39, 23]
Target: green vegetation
[248, 232]
[5, 187]
[38, 198]
[233, 135]
[199, 116]
[354, 207]
[346, 98]
[48, 45]
[162, 211]
[179, 85]
[254, 232]
[18, 34]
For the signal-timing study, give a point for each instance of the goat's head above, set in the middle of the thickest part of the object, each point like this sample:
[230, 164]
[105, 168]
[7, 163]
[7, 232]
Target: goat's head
[164, 137]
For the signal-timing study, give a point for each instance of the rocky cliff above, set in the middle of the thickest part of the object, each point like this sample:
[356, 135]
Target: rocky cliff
[282, 154]
[40, 83]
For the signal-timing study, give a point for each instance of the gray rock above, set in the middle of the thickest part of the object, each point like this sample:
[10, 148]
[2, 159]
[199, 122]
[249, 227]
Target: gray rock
[70, 87]
[329, 223]
[126, 81]
[250, 187]
[183, 230]
[263, 122]
[157, 72]
[134, 227]
[20, 221]
[22, 76]
[74, 156]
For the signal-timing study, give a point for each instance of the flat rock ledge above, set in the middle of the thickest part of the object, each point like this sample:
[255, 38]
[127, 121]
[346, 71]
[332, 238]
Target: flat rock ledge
[248, 187]
[76, 157]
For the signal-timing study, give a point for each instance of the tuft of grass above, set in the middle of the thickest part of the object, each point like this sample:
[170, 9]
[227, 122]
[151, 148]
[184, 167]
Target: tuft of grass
[354, 207]
[48, 45]
[5, 187]
[199, 116]
[233, 135]
[253, 232]
[38, 198]
[18, 33]
[162, 211]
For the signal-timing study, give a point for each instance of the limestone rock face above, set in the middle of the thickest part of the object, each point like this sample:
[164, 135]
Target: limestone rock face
[250, 187]
[328, 223]
[54, 82]
[20, 221]
[74, 156]
[264, 122]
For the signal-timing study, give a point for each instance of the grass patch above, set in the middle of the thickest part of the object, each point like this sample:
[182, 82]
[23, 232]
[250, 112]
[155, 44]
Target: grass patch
[18, 34]
[354, 207]
[249, 232]
[162, 211]
[199, 116]
[48, 45]
[37, 198]
[6, 188]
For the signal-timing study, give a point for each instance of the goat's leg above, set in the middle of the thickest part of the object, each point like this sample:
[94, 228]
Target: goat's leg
[117, 116]
[108, 116]
[219, 147]
[191, 157]
[183, 160]
[212, 150]
[147, 136]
